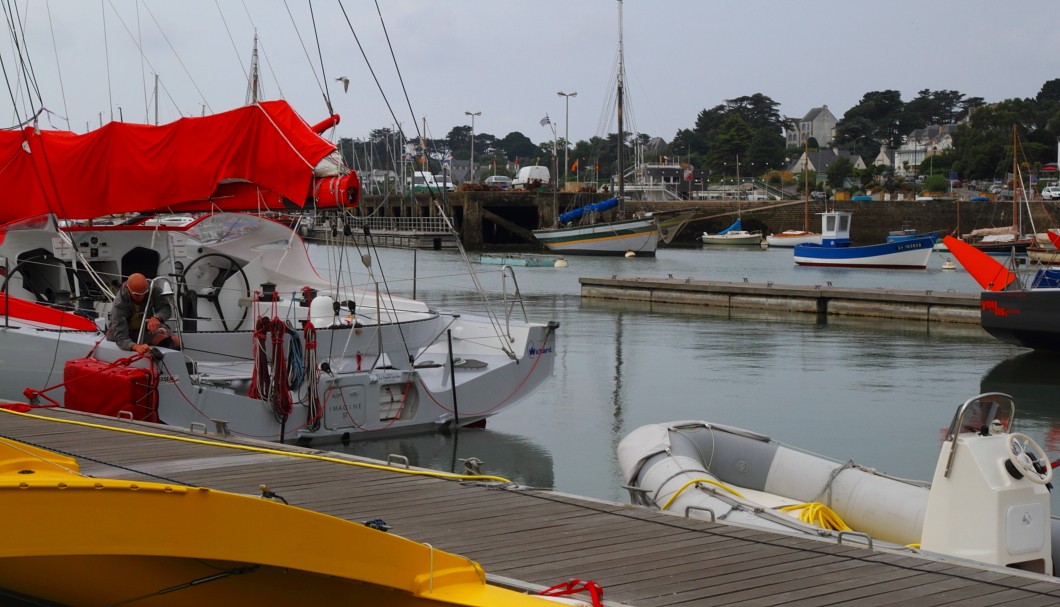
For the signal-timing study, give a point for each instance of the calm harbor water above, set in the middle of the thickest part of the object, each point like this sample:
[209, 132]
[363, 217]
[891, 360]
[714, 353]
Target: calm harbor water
[879, 392]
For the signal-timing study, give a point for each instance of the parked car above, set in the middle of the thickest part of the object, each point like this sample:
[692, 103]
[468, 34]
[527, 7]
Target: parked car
[818, 195]
[1051, 192]
[499, 181]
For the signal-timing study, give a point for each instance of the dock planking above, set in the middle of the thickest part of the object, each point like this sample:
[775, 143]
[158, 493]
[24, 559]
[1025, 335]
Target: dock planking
[539, 538]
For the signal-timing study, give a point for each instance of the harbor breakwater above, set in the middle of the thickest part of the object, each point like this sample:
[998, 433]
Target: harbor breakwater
[504, 220]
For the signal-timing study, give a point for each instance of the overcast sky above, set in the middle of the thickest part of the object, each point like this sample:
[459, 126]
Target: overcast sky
[507, 59]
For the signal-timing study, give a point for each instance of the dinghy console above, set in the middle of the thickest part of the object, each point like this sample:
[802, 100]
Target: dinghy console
[989, 498]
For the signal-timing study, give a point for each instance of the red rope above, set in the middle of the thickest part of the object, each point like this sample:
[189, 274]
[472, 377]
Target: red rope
[281, 393]
[596, 593]
[260, 374]
[316, 411]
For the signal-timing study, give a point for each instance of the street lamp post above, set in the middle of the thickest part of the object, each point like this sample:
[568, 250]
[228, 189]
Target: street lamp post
[472, 159]
[566, 133]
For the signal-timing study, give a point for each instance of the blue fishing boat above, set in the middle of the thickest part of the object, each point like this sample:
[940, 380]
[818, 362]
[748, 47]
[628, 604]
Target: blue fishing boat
[835, 249]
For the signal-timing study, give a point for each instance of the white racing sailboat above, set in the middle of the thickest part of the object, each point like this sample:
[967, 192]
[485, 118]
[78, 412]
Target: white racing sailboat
[272, 349]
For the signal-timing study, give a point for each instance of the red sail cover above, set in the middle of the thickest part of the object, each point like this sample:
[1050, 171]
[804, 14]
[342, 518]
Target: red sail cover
[991, 274]
[253, 158]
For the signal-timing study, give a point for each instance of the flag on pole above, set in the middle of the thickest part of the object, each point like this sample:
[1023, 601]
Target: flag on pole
[516, 163]
[574, 166]
[545, 121]
[688, 174]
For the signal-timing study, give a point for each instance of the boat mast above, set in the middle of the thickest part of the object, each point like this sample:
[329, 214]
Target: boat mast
[806, 185]
[621, 70]
[1015, 192]
[254, 82]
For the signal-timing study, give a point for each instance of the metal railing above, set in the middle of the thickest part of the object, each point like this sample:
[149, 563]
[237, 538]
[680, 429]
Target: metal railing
[401, 224]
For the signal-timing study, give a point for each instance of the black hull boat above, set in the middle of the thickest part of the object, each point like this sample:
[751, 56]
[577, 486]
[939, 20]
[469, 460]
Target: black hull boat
[1029, 318]
[1014, 310]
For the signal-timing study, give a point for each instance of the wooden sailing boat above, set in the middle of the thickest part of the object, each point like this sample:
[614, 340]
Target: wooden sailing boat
[581, 232]
[1007, 240]
[790, 238]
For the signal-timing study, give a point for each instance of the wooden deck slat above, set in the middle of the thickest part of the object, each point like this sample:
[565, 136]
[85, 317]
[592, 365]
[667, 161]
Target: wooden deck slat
[642, 558]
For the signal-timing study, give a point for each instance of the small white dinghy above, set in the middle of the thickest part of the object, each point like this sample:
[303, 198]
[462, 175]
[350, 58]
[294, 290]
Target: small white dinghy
[988, 502]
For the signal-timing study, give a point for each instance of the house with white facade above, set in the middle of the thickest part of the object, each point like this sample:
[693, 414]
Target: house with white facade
[819, 123]
[820, 160]
[921, 145]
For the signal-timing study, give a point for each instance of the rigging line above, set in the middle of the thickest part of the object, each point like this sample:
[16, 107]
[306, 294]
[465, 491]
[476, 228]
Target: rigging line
[58, 70]
[18, 32]
[304, 49]
[371, 70]
[228, 30]
[179, 61]
[136, 40]
[320, 55]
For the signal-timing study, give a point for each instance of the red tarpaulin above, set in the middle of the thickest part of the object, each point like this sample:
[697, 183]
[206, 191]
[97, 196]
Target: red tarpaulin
[245, 159]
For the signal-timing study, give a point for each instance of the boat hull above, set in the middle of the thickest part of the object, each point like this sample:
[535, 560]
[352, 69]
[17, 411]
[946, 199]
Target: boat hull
[640, 236]
[1028, 318]
[113, 542]
[790, 238]
[664, 458]
[907, 254]
[732, 238]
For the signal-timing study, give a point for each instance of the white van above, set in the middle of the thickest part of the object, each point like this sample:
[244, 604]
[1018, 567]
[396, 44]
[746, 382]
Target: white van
[421, 181]
[530, 174]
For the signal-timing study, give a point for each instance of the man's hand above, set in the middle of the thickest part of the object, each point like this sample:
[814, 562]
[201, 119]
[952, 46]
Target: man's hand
[141, 348]
[153, 323]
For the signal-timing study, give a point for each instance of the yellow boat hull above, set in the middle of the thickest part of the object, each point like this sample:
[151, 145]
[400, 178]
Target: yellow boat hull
[87, 541]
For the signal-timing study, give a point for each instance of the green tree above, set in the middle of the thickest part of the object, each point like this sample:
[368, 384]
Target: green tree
[937, 183]
[882, 113]
[838, 171]
[766, 149]
[517, 145]
[732, 141]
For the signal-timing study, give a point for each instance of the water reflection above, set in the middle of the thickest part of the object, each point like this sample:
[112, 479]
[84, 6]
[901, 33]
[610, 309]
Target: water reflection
[1033, 380]
[514, 457]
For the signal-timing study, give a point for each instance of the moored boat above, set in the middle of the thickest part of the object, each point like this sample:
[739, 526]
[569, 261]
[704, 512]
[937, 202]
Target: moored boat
[582, 232]
[1020, 311]
[792, 238]
[272, 349]
[522, 260]
[836, 250]
[83, 540]
[988, 500]
[733, 235]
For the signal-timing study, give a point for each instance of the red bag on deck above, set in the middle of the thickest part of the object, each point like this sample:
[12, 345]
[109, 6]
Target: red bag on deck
[95, 386]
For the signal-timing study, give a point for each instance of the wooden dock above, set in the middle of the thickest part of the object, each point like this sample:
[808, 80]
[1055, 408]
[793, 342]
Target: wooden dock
[820, 300]
[536, 538]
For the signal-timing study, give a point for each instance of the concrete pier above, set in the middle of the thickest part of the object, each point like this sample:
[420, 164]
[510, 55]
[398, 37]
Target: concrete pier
[820, 300]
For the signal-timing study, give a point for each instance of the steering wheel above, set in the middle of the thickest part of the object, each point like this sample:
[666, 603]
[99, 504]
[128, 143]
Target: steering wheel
[216, 288]
[27, 285]
[1024, 454]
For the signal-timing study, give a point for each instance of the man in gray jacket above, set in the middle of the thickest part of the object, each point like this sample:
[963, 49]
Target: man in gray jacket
[136, 299]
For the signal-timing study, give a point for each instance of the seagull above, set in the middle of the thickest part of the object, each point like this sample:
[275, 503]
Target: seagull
[345, 83]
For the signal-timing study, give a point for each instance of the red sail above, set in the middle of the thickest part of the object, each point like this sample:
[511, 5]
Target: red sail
[257, 157]
[1054, 237]
[991, 274]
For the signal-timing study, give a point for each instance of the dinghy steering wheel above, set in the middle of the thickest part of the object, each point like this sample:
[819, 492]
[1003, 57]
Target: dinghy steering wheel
[1024, 453]
[216, 287]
